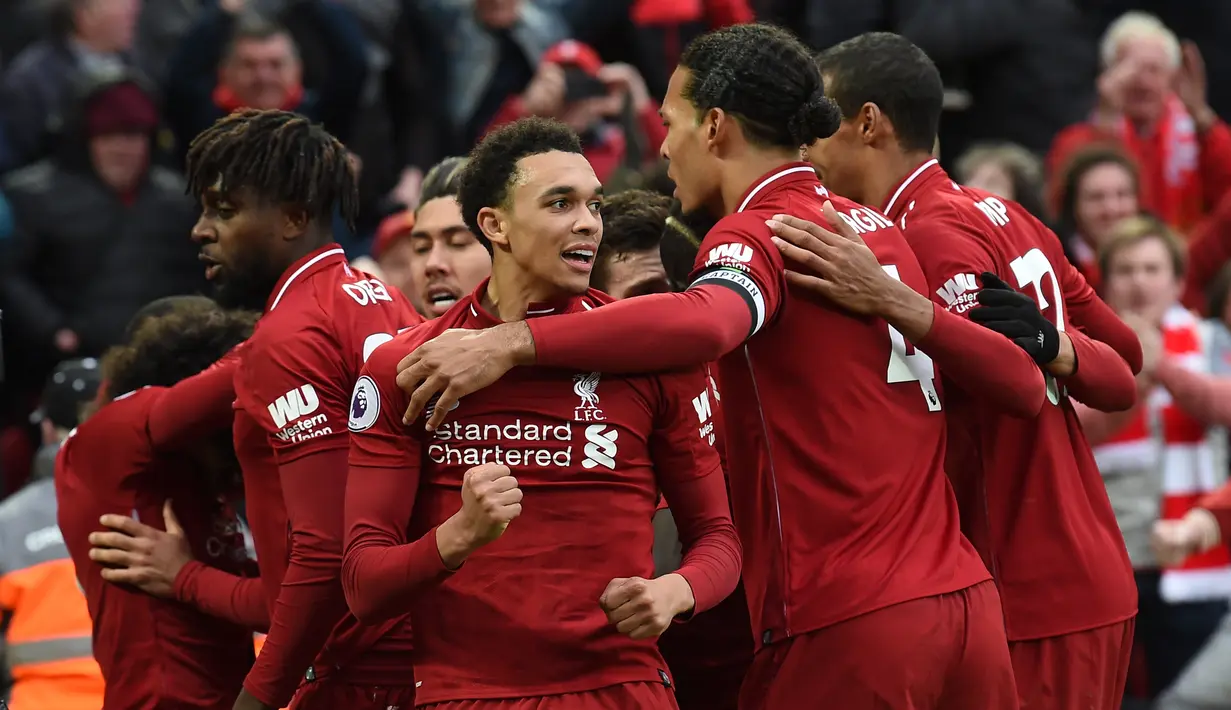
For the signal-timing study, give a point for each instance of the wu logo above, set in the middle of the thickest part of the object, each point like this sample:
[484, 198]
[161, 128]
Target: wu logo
[299, 402]
[600, 447]
[585, 386]
[701, 403]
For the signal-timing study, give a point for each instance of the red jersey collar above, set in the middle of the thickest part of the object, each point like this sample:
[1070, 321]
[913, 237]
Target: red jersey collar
[776, 179]
[477, 315]
[327, 255]
[900, 199]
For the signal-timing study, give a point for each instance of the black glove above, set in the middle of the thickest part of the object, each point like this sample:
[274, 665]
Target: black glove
[1017, 317]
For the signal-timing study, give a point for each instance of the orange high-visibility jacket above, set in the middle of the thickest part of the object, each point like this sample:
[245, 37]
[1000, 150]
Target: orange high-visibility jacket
[47, 647]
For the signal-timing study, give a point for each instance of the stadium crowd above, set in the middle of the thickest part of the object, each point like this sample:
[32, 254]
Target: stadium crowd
[710, 354]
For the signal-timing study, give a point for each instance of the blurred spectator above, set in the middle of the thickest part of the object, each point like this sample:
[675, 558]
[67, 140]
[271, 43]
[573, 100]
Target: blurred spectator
[99, 233]
[1152, 101]
[479, 54]
[232, 58]
[1097, 190]
[1007, 170]
[36, 90]
[608, 105]
[1013, 71]
[1159, 458]
[48, 651]
[392, 251]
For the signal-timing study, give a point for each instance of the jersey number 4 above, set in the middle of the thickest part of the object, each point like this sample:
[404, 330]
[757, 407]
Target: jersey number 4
[908, 364]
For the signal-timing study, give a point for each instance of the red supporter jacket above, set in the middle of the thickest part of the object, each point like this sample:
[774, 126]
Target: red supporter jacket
[1016, 476]
[1214, 169]
[292, 396]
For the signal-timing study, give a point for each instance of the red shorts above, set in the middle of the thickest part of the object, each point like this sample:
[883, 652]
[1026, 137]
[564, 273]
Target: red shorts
[1086, 669]
[329, 694]
[625, 696]
[947, 651]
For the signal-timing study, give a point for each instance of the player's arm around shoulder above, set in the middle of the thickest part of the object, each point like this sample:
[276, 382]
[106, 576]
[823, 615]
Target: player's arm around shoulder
[955, 251]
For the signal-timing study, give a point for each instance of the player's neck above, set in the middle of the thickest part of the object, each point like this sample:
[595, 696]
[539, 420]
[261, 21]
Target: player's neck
[511, 290]
[884, 175]
[740, 173]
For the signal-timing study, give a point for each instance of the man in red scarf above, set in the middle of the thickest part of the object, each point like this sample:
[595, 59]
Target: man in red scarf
[1152, 101]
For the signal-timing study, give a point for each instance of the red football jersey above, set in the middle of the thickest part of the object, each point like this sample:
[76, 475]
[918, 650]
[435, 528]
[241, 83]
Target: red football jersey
[720, 640]
[835, 431]
[590, 452]
[294, 384]
[154, 653]
[1032, 499]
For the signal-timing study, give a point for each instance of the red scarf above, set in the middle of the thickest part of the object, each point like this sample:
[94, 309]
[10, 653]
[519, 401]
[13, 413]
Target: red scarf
[226, 99]
[1174, 150]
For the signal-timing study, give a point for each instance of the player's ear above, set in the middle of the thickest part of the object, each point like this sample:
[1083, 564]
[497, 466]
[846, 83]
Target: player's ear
[494, 225]
[869, 122]
[294, 223]
[715, 123]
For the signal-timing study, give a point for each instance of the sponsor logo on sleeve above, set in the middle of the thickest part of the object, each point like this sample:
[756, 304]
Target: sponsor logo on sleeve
[959, 293]
[705, 411]
[364, 405]
[294, 414]
[734, 255]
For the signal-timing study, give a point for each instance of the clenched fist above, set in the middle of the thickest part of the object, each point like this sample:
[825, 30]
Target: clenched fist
[644, 608]
[490, 501]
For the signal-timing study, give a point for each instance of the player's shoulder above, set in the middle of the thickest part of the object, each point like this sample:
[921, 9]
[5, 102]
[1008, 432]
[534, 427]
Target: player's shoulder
[124, 416]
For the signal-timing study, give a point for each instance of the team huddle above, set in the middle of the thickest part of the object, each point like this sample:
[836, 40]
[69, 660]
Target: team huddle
[853, 417]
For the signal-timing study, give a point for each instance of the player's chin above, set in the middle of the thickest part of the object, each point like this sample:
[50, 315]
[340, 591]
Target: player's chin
[573, 281]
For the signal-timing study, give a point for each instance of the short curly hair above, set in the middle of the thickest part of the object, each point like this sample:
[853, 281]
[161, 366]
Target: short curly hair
[176, 345]
[764, 77]
[632, 221]
[489, 173]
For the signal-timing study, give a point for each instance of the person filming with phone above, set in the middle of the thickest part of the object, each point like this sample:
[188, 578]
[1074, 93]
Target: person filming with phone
[607, 105]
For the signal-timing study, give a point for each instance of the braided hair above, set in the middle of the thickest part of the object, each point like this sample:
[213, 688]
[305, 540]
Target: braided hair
[764, 77]
[281, 156]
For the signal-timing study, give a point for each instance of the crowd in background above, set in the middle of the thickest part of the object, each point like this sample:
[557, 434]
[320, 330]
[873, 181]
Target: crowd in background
[1105, 125]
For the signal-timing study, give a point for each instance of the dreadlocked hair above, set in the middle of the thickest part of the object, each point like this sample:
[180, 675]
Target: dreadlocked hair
[282, 156]
[171, 347]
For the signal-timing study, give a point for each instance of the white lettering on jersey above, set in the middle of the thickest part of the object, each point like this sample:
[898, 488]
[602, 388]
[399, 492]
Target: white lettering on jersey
[864, 220]
[959, 292]
[733, 254]
[995, 210]
[701, 403]
[373, 341]
[364, 405]
[298, 403]
[367, 291]
[600, 447]
[1030, 268]
[911, 365]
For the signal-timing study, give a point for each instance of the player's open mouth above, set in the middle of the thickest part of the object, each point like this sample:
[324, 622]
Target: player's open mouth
[441, 298]
[211, 267]
[579, 257]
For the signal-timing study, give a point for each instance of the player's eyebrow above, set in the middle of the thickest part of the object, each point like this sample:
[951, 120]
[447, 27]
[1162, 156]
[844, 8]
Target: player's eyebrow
[569, 191]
